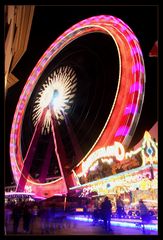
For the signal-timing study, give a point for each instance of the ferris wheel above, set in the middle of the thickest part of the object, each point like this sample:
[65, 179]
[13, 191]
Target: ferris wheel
[59, 103]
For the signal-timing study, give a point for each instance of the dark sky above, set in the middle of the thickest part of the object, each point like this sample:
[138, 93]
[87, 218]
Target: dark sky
[51, 21]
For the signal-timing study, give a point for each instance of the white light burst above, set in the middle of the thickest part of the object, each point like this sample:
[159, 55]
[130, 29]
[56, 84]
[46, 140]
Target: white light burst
[58, 91]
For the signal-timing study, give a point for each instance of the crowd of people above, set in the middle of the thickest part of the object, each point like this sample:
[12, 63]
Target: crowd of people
[49, 218]
[28, 213]
[104, 211]
[15, 211]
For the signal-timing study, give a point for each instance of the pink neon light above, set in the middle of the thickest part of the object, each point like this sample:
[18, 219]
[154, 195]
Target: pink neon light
[48, 54]
[123, 28]
[17, 193]
[43, 62]
[12, 150]
[116, 21]
[28, 87]
[93, 19]
[135, 50]
[122, 131]
[84, 22]
[111, 18]
[18, 117]
[136, 87]
[21, 96]
[104, 18]
[132, 108]
[123, 23]
[13, 135]
[12, 144]
[38, 69]
[138, 67]
[131, 37]
[21, 106]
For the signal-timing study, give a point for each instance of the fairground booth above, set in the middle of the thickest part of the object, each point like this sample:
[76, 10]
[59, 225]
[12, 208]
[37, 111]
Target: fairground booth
[113, 172]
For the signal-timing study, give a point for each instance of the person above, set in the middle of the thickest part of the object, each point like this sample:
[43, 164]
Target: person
[89, 208]
[44, 214]
[34, 215]
[8, 214]
[106, 211]
[96, 212]
[26, 217]
[119, 206]
[52, 217]
[143, 213]
[16, 214]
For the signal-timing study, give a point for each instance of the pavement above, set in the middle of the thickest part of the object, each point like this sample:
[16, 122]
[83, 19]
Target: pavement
[76, 227]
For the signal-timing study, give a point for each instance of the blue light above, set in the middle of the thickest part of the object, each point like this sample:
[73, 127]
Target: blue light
[153, 227]
[84, 219]
[55, 97]
[150, 151]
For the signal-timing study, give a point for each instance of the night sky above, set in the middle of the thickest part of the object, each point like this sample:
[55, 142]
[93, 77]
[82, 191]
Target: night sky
[51, 21]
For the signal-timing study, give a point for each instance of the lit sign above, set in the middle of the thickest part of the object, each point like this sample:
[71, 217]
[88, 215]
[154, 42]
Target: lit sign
[117, 151]
[126, 182]
[144, 155]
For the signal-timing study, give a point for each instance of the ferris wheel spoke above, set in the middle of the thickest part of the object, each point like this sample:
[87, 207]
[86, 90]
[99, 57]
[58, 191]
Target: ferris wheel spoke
[30, 154]
[60, 151]
[46, 163]
[73, 138]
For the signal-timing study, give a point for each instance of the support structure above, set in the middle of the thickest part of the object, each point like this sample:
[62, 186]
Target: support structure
[74, 141]
[46, 162]
[60, 153]
[30, 154]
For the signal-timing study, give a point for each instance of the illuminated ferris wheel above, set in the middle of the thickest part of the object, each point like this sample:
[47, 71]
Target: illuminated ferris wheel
[64, 97]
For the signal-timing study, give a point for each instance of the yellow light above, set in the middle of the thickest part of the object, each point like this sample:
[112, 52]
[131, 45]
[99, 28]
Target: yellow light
[117, 151]
[79, 210]
[147, 142]
[147, 136]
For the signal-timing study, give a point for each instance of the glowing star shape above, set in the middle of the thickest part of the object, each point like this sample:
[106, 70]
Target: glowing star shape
[58, 93]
